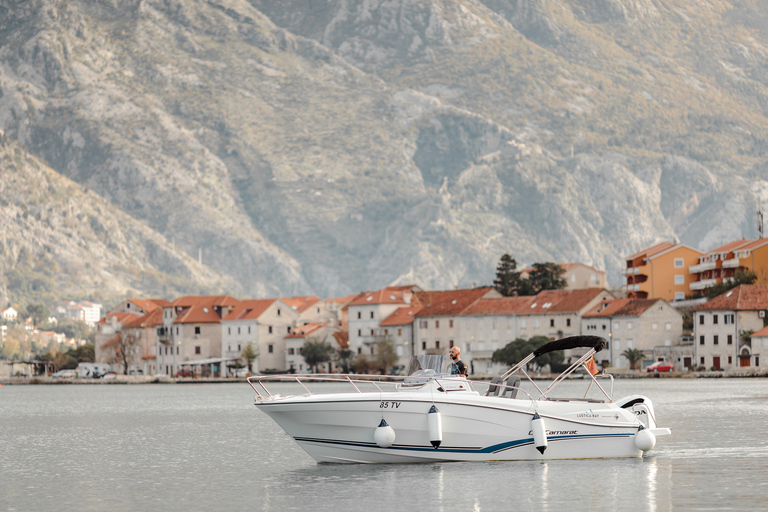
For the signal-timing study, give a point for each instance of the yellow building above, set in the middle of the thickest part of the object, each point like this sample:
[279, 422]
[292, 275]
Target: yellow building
[661, 272]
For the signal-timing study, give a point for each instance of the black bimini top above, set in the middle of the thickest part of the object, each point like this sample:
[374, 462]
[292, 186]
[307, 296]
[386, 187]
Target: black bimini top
[596, 342]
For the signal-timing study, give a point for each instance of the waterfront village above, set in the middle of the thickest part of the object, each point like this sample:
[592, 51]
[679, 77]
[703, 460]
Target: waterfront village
[659, 314]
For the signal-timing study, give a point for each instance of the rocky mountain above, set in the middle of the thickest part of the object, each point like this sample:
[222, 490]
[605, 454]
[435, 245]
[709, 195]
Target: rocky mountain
[60, 237]
[329, 146]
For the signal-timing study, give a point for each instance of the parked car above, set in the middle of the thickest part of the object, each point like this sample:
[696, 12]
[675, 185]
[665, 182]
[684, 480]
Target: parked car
[660, 366]
[185, 373]
[243, 372]
[65, 374]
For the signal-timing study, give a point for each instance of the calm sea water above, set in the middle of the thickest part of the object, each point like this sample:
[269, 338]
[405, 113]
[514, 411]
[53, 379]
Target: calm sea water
[206, 447]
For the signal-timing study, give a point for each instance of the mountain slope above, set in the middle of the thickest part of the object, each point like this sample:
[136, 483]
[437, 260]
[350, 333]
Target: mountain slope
[59, 237]
[337, 146]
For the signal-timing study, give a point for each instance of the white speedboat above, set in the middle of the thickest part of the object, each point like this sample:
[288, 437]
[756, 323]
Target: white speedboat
[431, 415]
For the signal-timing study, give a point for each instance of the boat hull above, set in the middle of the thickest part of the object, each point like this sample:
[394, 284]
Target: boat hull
[340, 428]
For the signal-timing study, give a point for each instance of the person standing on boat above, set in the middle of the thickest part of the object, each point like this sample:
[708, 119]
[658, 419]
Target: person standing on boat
[458, 367]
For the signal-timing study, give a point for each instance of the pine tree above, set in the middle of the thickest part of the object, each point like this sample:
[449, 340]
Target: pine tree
[546, 276]
[507, 280]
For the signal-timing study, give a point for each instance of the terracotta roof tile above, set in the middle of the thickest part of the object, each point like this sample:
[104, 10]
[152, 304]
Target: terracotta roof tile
[450, 302]
[762, 332]
[147, 305]
[663, 246]
[621, 307]
[301, 303]
[544, 302]
[205, 300]
[305, 330]
[404, 288]
[576, 300]
[198, 315]
[383, 296]
[151, 319]
[607, 308]
[342, 338]
[729, 247]
[499, 306]
[746, 297]
[199, 309]
[249, 309]
[755, 244]
[560, 301]
[343, 301]
[122, 318]
[402, 316]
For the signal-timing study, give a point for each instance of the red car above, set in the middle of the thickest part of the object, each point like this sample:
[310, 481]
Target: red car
[185, 373]
[660, 366]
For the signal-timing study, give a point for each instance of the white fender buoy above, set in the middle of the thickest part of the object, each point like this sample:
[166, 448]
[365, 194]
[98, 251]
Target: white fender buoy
[539, 434]
[435, 424]
[644, 439]
[384, 435]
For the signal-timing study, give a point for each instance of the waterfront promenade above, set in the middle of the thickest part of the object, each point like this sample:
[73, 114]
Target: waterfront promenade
[164, 379]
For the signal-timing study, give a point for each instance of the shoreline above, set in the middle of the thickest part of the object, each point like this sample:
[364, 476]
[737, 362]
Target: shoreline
[164, 379]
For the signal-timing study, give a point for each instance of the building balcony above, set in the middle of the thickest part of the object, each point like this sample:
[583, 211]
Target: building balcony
[633, 288]
[734, 263]
[702, 267]
[631, 271]
[704, 283]
[164, 336]
[372, 340]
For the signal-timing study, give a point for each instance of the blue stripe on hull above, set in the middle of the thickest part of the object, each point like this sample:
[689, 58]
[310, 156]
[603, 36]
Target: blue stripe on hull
[489, 449]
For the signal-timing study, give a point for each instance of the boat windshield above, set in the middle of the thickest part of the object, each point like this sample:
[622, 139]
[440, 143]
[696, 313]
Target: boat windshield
[429, 365]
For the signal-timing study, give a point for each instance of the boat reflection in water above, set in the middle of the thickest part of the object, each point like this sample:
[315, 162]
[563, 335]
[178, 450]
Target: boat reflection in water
[431, 415]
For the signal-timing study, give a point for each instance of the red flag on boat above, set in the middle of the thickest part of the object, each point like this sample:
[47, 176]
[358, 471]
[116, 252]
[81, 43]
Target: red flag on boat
[591, 366]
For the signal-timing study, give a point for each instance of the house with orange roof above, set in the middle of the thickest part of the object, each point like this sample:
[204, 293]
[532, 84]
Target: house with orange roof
[754, 257]
[398, 328]
[716, 265]
[190, 334]
[661, 272]
[367, 309]
[438, 327]
[263, 323]
[723, 327]
[578, 276]
[338, 306]
[310, 308]
[104, 338]
[133, 322]
[487, 325]
[557, 314]
[759, 345]
[141, 333]
[315, 332]
[642, 324]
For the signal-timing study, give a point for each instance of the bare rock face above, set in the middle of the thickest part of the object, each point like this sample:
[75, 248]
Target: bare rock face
[54, 227]
[384, 33]
[270, 148]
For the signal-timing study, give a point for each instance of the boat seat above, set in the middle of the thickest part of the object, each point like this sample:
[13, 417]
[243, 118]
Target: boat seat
[494, 388]
[513, 384]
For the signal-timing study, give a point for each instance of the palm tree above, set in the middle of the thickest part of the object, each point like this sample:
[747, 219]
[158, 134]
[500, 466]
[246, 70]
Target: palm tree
[633, 355]
[249, 354]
